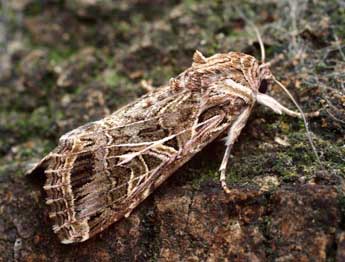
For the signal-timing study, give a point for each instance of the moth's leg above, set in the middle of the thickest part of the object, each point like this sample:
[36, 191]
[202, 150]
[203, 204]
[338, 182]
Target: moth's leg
[233, 134]
[147, 86]
[279, 108]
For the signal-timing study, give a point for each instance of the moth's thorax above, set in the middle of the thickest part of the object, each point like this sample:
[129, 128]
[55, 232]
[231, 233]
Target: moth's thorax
[220, 69]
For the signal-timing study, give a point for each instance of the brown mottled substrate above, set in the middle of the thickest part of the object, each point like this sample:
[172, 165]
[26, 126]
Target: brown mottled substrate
[300, 222]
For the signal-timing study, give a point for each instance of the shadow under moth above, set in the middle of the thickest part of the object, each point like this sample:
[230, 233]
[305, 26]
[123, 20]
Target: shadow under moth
[101, 171]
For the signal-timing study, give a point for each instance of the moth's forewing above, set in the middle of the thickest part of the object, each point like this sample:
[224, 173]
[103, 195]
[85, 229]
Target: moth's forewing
[101, 171]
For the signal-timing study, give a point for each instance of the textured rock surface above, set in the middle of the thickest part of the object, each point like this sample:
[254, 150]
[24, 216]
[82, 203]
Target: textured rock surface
[180, 223]
[69, 62]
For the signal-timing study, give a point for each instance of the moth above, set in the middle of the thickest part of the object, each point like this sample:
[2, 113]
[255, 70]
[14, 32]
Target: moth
[101, 171]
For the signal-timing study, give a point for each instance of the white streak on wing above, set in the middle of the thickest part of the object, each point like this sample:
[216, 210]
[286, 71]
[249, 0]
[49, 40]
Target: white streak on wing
[125, 158]
[149, 144]
[50, 201]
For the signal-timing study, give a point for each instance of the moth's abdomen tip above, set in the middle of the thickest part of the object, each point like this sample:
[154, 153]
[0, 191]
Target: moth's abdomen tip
[72, 233]
[67, 241]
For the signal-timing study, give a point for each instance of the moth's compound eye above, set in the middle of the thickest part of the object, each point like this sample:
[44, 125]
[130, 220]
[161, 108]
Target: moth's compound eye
[263, 86]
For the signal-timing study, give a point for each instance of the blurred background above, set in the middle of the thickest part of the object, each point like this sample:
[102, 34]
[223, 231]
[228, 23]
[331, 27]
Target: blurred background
[64, 63]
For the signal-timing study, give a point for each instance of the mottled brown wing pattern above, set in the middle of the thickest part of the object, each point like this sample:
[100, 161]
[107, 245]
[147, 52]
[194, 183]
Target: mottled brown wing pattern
[101, 171]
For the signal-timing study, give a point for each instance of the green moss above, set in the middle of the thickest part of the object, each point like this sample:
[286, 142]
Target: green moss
[202, 177]
[58, 55]
[234, 177]
[137, 19]
[337, 17]
[24, 126]
[123, 27]
[34, 8]
[112, 78]
[160, 74]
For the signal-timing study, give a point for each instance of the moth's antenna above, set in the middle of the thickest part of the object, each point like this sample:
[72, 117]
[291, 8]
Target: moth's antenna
[303, 117]
[261, 43]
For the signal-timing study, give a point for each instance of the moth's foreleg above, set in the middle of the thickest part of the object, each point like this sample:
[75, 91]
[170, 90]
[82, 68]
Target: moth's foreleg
[279, 108]
[233, 134]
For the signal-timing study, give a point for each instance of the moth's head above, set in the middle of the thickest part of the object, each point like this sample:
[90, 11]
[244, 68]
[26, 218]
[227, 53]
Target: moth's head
[265, 75]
